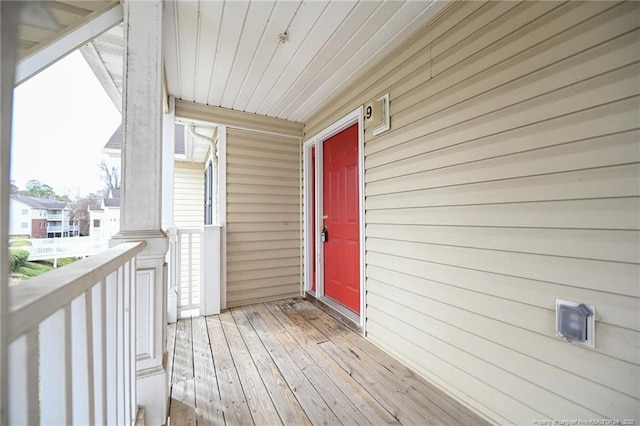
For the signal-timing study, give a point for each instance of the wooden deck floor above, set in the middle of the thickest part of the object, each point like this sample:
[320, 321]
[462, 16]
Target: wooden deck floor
[288, 362]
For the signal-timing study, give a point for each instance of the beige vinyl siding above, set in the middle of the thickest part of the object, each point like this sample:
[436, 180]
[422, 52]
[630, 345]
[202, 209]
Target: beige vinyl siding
[510, 177]
[188, 198]
[263, 217]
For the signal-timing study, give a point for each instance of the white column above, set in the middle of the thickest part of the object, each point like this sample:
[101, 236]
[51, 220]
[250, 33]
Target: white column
[141, 198]
[168, 151]
[9, 12]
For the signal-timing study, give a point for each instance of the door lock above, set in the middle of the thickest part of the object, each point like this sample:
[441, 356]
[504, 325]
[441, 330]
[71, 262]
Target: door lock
[324, 234]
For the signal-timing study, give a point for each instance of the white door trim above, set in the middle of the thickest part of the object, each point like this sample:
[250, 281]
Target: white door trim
[354, 117]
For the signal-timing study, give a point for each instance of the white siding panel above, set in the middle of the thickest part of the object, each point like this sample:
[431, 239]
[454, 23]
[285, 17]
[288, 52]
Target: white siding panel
[263, 217]
[510, 177]
[188, 181]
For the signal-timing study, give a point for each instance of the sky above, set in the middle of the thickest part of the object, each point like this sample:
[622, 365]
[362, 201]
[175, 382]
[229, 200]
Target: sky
[62, 118]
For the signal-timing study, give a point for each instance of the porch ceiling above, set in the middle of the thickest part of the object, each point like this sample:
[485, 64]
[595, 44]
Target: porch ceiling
[280, 58]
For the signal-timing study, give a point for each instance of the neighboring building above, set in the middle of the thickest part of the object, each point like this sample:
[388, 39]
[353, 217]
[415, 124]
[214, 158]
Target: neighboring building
[33, 217]
[104, 219]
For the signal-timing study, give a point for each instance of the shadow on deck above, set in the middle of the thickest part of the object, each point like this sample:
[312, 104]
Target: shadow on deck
[288, 362]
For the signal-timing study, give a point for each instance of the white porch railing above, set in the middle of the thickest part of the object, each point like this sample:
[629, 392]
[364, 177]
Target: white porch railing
[194, 258]
[72, 352]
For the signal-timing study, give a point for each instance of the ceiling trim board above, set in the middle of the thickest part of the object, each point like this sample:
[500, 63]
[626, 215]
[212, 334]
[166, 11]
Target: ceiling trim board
[237, 119]
[98, 67]
[67, 41]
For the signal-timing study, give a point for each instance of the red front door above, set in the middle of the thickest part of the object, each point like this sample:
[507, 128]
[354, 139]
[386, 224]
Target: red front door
[342, 218]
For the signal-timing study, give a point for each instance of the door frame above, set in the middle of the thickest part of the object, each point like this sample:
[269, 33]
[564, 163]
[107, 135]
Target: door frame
[354, 117]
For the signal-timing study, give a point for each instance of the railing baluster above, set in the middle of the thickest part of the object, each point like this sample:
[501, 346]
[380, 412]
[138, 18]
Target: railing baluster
[98, 343]
[132, 326]
[53, 369]
[23, 357]
[80, 349]
[111, 347]
[179, 272]
[126, 328]
[190, 280]
[68, 377]
[120, 367]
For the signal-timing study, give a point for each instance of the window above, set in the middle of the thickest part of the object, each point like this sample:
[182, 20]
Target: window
[25, 212]
[24, 225]
[96, 223]
[208, 194]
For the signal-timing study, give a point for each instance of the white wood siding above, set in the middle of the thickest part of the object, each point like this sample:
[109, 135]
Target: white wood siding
[263, 217]
[509, 178]
[188, 212]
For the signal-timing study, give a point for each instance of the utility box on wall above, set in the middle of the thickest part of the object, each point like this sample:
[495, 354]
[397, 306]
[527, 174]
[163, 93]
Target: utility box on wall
[575, 322]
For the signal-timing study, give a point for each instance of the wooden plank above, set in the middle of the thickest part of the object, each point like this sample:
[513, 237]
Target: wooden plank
[234, 404]
[408, 377]
[263, 411]
[182, 411]
[289, 409]
[373, 411]
[312, 403]
[207, 401]
[335, 398]
[250, 296]
[171, 345]
[400, 399]
[183, 358]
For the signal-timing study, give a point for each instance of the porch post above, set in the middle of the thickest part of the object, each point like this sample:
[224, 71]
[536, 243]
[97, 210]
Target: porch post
[9, 12]
[141, 198]
[168, 224]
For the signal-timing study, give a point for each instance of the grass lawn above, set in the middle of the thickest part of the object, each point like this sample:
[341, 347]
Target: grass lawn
[33, 269]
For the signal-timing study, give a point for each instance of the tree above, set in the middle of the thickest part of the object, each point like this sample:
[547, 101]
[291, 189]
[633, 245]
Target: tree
[35, 188]
[110, 175]
[80, 211]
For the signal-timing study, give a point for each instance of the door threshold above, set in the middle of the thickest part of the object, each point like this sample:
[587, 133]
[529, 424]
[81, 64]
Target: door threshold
[342, 314]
